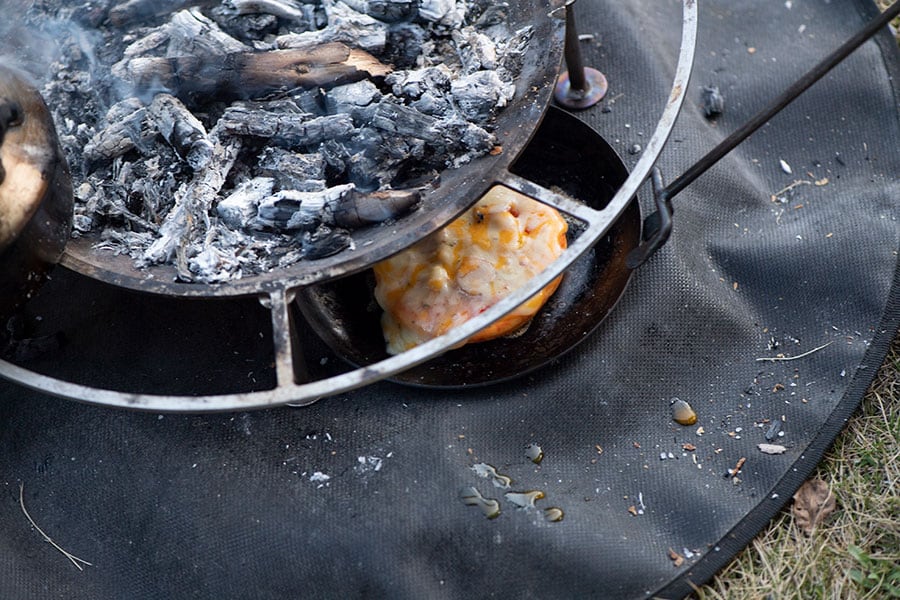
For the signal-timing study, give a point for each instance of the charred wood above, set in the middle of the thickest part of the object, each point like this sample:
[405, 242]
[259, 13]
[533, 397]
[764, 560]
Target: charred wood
[404, 45]
[476, 50]
[188, 220]
[297, 13]
[342, 206]
[426, 90]
[123, 133]
[357, 210]
[293, 171]
[448, 13]
[181, 129]
[392, 11]
[191, 33]
[290, 210]
[240, 206]
[345, 25]
[404, 121]
[324, 241]
[351, 98]
[479, 94]
[140, 11]
[285, 129]
[247, 75]
[187, 31]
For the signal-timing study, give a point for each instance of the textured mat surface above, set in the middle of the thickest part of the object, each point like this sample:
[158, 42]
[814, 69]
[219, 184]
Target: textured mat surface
[359, 495]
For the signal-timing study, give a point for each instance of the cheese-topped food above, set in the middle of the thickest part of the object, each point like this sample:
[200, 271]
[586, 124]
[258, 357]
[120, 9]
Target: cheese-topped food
[460, 271]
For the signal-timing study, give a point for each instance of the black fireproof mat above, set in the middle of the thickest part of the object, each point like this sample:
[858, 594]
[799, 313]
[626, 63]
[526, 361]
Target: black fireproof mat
[358, 496]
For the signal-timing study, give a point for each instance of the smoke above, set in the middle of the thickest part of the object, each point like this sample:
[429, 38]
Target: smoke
[33, 41]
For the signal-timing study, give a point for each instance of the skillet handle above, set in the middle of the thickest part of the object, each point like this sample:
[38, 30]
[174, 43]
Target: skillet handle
[657, 225]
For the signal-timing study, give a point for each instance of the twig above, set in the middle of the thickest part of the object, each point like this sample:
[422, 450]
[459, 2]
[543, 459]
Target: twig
[786, 358]
[790, 187]
[72, 558]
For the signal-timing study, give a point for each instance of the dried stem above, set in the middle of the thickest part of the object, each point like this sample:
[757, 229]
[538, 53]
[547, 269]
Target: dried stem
[786, 358]
[72, 558]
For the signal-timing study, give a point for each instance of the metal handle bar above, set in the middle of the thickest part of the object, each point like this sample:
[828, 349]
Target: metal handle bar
[658, 225]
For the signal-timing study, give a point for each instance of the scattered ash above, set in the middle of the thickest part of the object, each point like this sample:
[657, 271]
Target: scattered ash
[233, 137]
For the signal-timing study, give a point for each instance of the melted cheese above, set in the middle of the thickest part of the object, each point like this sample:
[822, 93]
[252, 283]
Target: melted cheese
[456, 273]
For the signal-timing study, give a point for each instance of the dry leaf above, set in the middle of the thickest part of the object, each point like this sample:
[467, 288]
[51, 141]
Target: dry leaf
[813, 503]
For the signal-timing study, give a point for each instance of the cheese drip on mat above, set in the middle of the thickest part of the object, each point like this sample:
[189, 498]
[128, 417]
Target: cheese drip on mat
[460, 271]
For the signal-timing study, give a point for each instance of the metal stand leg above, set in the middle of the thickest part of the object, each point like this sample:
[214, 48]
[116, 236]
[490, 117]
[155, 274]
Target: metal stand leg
[579, 87]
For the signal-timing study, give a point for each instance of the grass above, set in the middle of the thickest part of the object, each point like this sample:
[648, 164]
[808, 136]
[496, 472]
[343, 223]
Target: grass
[855, 554]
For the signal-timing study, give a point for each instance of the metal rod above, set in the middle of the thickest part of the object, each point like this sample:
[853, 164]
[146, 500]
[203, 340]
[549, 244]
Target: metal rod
[658, 225]
[791, 93]
[572, 52]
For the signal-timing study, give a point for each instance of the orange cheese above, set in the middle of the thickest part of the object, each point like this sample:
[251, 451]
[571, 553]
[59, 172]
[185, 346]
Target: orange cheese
[460, 271]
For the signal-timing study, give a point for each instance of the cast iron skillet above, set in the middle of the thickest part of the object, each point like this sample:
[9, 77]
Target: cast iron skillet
[565, 154]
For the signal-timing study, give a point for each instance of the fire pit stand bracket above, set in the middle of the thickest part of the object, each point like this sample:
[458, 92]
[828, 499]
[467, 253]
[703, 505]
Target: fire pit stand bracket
[291, 389]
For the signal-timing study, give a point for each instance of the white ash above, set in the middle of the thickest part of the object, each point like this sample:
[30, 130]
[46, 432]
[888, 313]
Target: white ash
[200, 180]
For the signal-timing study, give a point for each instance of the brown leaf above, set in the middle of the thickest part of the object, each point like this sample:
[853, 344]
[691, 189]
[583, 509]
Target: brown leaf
[813, 503]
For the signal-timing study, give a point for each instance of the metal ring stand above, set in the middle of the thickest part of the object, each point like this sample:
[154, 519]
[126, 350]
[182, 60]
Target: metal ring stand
[289, 390]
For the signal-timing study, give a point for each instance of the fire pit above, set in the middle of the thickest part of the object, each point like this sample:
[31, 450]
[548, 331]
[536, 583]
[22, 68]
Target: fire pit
[263, 192]
[230, 142]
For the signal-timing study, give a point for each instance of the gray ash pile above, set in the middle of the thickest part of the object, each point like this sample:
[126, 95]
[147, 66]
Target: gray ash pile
[233, 137]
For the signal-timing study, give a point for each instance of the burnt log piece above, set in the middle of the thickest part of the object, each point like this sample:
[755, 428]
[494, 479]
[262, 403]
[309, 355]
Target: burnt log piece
[492, 14]
[191, 33]
[240, 206]
[293, 171]
[181, 129]
[404, 45]
[187, 223]
[374, 158]
[125, 130]
[341, 206]
[479, 94]
[447, 13]
[404, 121]
[188, 32]
[141, 11]
[324, 241]
[466, 139]
[290, 210]
[298, 14]
[476, 50]
[351, 99]
[426, 90]
[357, 210]
[392, 11]
[344, 25]
[247, 75]
[285, 128]
[389, 11]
